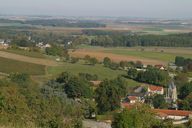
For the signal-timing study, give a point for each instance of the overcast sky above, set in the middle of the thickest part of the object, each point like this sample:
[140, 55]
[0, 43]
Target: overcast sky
[131, 8]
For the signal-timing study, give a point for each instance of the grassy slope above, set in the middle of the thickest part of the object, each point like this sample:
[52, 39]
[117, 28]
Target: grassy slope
[98, 69]
[8, 66]
[26, 53]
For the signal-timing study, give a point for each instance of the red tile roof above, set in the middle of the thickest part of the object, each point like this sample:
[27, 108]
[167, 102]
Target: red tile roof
[132, 97]
[172, 112]
[159, 66]
[127, 105]
[155, 88]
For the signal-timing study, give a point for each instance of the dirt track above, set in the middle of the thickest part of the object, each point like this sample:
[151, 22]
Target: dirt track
[116, 58]
[28, 59]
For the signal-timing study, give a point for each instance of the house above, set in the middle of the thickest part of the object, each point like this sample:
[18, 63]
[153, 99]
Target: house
[69, 43]
[152, 89]
[2, 41]
[47, 46]
[176, 115]
[133, 99]
[127, 105]
[41, 45]
[161, 67]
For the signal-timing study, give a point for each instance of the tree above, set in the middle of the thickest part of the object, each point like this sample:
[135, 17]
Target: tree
[123, 64]
[87, 76]
[180, 80]
[109, 93]
[153, 76]
[74, 60]
[87, 58]
[114, 66]
[107, 61]
[138, 64]
[185, 90]
[138, 117]
[93, 61]
[107, 97]
[76, 88]
[20, 78]
[132, 73]
[179, 61]
[159, 101]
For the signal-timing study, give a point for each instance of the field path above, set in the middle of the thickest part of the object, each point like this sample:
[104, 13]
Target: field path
[114, 57]
[13, 56]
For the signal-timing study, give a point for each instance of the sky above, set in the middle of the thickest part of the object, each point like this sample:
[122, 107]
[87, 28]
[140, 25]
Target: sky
[116, 8]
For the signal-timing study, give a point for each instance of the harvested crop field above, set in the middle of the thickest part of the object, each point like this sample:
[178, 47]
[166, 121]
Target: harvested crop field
[99, 54]
[28, 59]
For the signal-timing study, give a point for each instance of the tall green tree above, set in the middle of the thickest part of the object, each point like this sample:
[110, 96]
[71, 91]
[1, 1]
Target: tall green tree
[138, 117]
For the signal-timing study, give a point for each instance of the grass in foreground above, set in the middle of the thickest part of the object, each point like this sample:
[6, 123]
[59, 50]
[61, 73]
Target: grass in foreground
[9, 66]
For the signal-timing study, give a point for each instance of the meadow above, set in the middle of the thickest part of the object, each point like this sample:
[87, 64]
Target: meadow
[98, 69]
[9, 66]
[25, 53]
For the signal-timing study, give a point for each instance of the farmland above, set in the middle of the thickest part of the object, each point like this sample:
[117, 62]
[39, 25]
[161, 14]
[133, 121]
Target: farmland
[98, 69]
[9, 66]
[17, 57]
[25, 53]
[148, 55]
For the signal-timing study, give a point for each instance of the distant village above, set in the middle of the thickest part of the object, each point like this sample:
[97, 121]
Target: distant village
[144, 91]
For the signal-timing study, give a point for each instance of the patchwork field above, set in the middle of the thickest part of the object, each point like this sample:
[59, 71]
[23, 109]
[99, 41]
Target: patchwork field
[9, 66]
[148, 55]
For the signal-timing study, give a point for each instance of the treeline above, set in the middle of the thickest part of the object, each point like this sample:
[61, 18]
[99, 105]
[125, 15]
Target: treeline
[92, 32]
[174, 40]
[65, 23]
[151, 75]
[186, 63]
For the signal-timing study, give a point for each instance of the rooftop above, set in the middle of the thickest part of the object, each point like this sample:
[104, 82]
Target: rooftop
[155, 88]
[164, 112]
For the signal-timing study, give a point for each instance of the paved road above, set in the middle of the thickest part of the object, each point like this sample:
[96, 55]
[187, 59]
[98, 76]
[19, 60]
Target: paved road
[95, 124]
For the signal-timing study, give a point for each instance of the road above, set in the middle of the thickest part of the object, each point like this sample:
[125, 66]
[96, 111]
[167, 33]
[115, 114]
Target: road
[95, 124]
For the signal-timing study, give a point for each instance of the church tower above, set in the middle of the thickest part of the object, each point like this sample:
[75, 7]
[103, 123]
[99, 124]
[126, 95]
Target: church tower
[172, 92]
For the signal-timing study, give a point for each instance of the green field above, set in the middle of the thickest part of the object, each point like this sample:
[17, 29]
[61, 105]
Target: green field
[98, 69]
[9, 66]
[157, 53]
[26, 53]
[162, 55]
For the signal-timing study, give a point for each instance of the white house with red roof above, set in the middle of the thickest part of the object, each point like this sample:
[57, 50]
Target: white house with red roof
[152, 89]
[133, 99]
[161, 67]
[178, 116]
